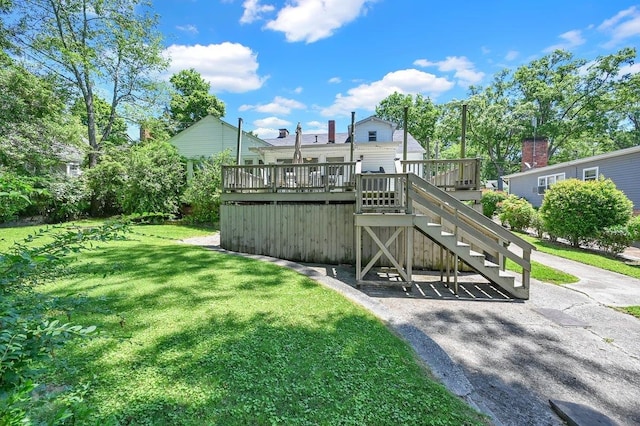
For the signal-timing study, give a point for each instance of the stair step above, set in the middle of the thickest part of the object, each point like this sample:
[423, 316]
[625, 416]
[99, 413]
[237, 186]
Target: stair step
[461, 244]
[473, 253]
[489, 264]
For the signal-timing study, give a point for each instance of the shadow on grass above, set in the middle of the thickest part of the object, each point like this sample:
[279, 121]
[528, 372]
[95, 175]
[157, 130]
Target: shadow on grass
[240, 369]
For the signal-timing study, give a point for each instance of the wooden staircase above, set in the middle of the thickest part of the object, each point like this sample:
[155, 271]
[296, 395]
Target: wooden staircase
[458, 229]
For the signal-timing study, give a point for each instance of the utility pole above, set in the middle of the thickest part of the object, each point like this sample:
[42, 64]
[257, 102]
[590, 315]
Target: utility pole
[239, 147]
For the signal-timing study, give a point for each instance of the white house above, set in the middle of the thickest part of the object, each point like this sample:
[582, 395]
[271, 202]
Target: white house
[377, 143]
[211, 136]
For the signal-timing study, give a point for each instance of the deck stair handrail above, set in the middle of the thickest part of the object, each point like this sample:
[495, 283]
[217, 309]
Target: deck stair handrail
[458, 228]
[448, 174]
[289, 177]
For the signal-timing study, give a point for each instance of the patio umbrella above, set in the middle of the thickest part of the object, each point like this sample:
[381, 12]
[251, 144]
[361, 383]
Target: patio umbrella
[297, 153]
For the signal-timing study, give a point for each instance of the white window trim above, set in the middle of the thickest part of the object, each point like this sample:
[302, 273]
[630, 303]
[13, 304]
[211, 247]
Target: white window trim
[557, 177]
[589, 169]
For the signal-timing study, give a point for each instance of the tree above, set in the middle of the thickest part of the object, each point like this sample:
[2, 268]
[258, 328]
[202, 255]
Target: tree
[569, 96]
[191, 100]
[34, 127]
[93, 45]
[496, 124]
[422, 115]
[102, 112]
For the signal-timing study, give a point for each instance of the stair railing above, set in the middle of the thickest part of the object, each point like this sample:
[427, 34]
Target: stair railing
[468, 223]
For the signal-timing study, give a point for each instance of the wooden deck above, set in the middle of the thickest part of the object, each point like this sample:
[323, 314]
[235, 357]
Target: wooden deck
[333, 213]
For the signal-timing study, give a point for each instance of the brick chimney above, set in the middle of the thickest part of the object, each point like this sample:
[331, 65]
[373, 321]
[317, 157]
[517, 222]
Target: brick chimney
[332, 131]
[145, 133]
[534, 153]
[283, 133]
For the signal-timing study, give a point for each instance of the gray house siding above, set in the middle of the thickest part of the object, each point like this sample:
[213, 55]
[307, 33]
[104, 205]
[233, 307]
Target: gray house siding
[619, 166]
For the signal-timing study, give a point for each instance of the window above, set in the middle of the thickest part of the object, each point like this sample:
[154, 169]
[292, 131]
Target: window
[73, 169]
[248, 162]
[544, 182]
[373, 136]
[590, 174]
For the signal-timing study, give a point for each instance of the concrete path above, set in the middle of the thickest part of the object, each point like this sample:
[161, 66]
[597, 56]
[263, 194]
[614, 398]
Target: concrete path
[510, 358]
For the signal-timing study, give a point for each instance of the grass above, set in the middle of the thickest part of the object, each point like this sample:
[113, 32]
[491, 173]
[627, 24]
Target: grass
[632, 310]
[191, 336]
[544, 273]
[584, 256]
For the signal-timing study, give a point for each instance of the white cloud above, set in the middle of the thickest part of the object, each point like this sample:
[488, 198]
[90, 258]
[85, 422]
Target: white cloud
[266, 133]
[191, 29]
[630, 69]
[313, 20]
[279, 105]
[317, 124]
[335, 80]
[229, 67]
[511, 55]
[367, 96]
[571, 39]
[625, 24]
[464, 69]
[298, 90]
[271, 122]
[253, 11]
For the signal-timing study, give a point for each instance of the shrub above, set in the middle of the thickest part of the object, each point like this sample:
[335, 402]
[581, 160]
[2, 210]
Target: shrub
[634, 228]
[106, 181]
[154, 179]
[15, 195]
[577, 210]
[537, 224]
[68, 198]
[203, 191]
[490, 201]
[516, 212]
[614, 239]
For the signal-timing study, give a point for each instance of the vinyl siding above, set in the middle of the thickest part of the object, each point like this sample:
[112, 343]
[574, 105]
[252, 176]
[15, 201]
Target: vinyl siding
[622, 170]
[211, 136]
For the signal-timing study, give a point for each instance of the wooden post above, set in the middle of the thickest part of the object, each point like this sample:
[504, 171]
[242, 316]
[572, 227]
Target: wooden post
[404, 146]
[352, 135]
[239, 147]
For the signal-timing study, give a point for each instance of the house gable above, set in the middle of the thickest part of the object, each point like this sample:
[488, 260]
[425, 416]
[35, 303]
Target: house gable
[211, 136]
[619, 166]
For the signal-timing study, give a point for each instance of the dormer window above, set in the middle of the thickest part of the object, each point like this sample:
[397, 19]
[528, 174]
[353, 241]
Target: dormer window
[373, 136]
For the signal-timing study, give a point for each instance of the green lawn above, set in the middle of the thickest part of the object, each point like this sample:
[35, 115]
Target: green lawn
[584, 256]
[544, 273]
[191, 337]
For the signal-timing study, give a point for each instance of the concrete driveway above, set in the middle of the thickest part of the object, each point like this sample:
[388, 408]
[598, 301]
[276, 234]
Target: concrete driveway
[509, 358]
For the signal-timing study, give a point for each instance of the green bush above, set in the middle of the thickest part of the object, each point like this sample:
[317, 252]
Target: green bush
[106, 181]
[490, 201]
[578, 210]
[68, 198]
[634, 228]
[614, 239]
[537, 224]
[516, 212]
[203, 191]
[15, 195]
[154, 179]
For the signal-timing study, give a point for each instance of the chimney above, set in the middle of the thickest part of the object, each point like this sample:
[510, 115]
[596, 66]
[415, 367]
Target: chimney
[283, 133]
[332, 131]
[145, 133]
[534, 153]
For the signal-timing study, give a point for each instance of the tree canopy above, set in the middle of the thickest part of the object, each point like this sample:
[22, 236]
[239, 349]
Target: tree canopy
[109, 46]
[191, 100]
[421, 117]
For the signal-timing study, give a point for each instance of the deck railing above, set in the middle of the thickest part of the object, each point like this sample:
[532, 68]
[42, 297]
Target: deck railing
[289, 177]
[449, 175]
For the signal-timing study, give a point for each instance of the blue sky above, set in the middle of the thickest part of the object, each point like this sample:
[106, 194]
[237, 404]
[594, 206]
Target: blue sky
[277, 63]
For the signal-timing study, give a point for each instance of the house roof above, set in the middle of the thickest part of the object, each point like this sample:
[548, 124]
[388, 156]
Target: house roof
[210, 118]
[316, 139]
[612, 154]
